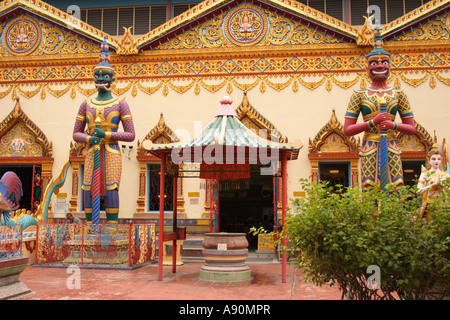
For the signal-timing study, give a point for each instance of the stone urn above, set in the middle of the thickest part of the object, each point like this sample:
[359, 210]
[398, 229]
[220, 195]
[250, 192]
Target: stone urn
[225, 257]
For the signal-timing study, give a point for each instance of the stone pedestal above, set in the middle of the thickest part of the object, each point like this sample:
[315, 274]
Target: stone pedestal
[225, 257]
[10, 285]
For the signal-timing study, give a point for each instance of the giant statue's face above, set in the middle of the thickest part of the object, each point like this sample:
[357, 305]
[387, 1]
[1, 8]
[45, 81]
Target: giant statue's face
[103, 79]
[379, 67]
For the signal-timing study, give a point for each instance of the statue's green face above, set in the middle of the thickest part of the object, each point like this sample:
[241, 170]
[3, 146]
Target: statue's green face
[103, 80]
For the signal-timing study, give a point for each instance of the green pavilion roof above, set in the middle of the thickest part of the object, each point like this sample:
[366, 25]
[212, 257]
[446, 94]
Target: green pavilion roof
[226, 130]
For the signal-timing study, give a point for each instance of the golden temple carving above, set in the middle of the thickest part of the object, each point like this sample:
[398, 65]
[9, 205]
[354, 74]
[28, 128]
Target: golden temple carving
[366, 34]
[62, 64]
[60, 17]
[291, 6]
[20, 137]
[281, 31]
[331, 138]
[127, 44]
[160, 134]
[437, 29]
[252, 119]
[331, 144]
[420, 142]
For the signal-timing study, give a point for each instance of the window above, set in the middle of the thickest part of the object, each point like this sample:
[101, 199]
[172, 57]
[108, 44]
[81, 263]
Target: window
[335, 173]
[126, 19]
[411, 172]
[158, 16]
[110, 21]
[358, 9]
[335, 9]
[141, 20]
[113, 20]
[94, 18]
[154, 173]
[180, 8]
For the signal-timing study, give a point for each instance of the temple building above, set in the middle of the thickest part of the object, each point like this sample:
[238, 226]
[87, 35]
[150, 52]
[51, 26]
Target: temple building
[290, 68]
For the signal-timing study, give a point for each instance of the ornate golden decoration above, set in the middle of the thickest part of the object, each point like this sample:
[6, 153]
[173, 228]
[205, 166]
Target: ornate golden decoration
[245, 25]
[204, 7]
[127, 44]
[420, 142]
[331, 138]
[57, 16]
[437, 29]
[21, 36]
[251, 32]
[160, 134]
[415, 14]
[331, 144]
[252, 119]
[276, 63]
[366, 34]
[21, 137]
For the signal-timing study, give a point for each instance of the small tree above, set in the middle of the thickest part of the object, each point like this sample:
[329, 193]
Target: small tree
[341, 237]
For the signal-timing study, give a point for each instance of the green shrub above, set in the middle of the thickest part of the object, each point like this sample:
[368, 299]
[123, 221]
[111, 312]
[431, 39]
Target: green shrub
[337, 235]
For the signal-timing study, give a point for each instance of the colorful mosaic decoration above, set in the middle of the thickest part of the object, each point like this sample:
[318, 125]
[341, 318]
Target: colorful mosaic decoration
[77, 244]
[267, 49]
[245, 25]
[21, 36]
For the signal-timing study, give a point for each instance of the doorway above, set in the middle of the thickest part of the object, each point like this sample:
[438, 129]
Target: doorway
[25, 174]
[337, 174]
[246, 207]
[411, 172]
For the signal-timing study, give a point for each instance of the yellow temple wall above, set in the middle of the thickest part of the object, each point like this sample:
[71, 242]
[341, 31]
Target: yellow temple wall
[297, 115]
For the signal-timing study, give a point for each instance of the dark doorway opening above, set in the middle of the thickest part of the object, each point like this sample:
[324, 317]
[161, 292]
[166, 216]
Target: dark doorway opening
[335, 173]
[25, 174]
[411, 172]
[241, 209]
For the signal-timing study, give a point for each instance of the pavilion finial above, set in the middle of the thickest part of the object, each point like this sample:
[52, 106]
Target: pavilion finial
[225, 108]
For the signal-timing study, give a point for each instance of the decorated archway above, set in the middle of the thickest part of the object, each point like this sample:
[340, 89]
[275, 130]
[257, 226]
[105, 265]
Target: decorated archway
[24, 145]
[332, 146]
[160, 134]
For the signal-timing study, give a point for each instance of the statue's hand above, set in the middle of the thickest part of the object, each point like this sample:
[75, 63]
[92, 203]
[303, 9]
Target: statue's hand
[99, 133]
[380, 117]
[387, 124]
[94, 140]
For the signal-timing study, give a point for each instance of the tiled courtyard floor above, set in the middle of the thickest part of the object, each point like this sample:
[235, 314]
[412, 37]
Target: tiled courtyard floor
[142, 284]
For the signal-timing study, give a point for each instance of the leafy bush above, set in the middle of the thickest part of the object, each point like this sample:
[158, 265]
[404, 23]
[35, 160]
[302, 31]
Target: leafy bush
[337, 235]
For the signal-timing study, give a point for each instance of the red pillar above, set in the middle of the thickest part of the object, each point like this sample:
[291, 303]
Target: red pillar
[174, 228]
[161, 217]
[283, 212]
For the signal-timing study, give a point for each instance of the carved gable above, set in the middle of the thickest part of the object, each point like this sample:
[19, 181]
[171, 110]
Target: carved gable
[331, 138]
[20, 137]
[253, 120]
[35, 28]
[219, 24]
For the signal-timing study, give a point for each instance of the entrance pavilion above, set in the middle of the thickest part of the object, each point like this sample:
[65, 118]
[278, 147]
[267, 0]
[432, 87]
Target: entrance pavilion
[225, 149]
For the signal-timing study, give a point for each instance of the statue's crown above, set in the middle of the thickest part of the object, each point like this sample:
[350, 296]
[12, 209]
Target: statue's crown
[104, 58]
[378, 49]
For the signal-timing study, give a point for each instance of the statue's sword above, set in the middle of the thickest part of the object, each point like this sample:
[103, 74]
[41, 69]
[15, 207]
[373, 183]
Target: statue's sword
[96, 181]
[383, 157]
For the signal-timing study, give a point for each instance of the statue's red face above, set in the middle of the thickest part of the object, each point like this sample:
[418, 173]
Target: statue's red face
[379, 68]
